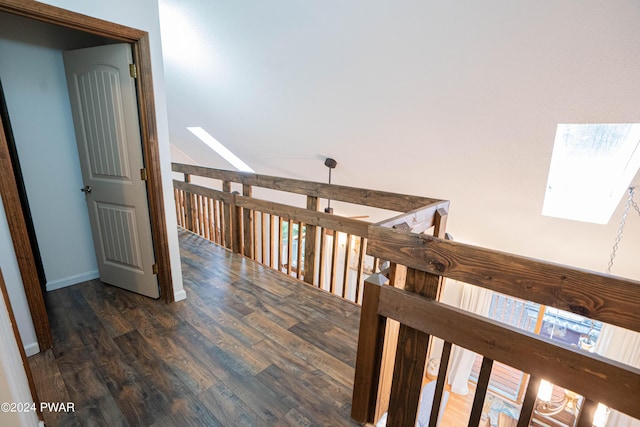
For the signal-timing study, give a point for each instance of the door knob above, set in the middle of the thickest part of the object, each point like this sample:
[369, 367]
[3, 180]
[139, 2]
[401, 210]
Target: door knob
[86, 189]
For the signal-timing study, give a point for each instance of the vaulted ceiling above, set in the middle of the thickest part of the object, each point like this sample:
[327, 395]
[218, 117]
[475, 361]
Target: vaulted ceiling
[422, 97]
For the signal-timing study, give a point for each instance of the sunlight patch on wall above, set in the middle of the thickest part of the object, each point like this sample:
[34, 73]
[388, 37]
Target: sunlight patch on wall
[223, 151]
[182, 44]
[592, 167]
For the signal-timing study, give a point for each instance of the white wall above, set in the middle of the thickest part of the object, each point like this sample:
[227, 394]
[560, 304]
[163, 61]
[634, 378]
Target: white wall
[37, 99]
[14, 386]
[457, 100]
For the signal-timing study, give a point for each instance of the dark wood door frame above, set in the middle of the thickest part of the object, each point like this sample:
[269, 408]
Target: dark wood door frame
[8, 186]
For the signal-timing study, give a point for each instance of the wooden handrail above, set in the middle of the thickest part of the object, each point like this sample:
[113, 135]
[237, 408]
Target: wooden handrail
[359, 196]
[327, 251]
[595, 295]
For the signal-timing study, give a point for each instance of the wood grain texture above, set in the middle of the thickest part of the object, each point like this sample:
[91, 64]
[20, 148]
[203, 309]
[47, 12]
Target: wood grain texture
[310, 242]
[248, 347]
[591, 375]
[54, 15]
[151, 153]
[411, 354]
[434, 417]
[368, 363]
[373, 198]
[529, 401]
[595, 295]
[481, 391]
[333, 222]
[22, 246]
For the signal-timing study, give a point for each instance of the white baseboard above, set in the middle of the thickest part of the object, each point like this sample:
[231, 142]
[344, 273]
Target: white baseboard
[31, 349]
[68, 281]
[180, 295]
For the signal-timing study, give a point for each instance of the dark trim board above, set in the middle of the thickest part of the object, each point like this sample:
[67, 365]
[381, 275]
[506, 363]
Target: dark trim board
[22, 191]
[9, 186]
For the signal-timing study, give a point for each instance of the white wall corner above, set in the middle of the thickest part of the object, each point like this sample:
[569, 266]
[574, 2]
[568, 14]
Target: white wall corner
[31, 348]
[13, 378]
[180, 295]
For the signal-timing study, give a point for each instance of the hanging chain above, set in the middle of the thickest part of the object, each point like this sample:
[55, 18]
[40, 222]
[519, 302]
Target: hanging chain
[633, 202]
[616, 242]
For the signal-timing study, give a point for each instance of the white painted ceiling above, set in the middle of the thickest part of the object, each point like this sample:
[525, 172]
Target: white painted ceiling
[456, 100]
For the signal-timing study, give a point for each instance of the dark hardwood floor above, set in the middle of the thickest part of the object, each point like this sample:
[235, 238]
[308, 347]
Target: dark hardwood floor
[248, 347]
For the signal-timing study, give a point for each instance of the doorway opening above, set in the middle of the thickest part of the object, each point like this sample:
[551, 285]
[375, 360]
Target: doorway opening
[81, 29]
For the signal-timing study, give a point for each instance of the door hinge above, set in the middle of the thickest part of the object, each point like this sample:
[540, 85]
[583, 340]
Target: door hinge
[143, 174]
[133, 71]
[154, 268]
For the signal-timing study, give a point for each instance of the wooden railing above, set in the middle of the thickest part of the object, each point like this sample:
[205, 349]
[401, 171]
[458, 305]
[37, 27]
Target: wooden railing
[324, 250]
[429, 259]
[337, 253]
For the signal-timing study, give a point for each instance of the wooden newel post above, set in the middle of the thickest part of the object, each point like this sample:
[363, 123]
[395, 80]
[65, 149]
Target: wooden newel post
[369, 357]
[310, 240]
[236, 224]
[228, 240]
[188, 205]
[247, 224]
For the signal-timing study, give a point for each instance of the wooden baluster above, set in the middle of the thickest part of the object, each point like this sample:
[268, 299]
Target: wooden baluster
[217, 223]
[228, 220]
[183, 210]
[247, 223]
[264, 240]
[289, 246]
[212, 220]
[410, 357]
[334, 262]
[200, 209]
[371, 340]
[322, 258]
[176, 198]
[187, 207]
[194, 213]
[207, 216]
[310, 241]
[587, 411]
[256, 235]
[529, 402]
[272, 242]
[359, 281]
[299, 254]
[442, 376]
[347, 261]
[237, 225]
[280, 263]
[481, 392]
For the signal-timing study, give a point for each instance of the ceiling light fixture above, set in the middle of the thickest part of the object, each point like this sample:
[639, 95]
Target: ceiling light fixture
[331, 164]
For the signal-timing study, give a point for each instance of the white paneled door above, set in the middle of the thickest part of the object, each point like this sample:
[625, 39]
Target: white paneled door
[105, 113]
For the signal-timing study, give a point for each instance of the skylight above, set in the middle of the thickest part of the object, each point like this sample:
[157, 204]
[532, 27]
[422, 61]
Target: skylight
[592, 167]
[223, 151]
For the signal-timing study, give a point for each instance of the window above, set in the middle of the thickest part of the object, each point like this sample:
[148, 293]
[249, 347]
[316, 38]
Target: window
[592, 166]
